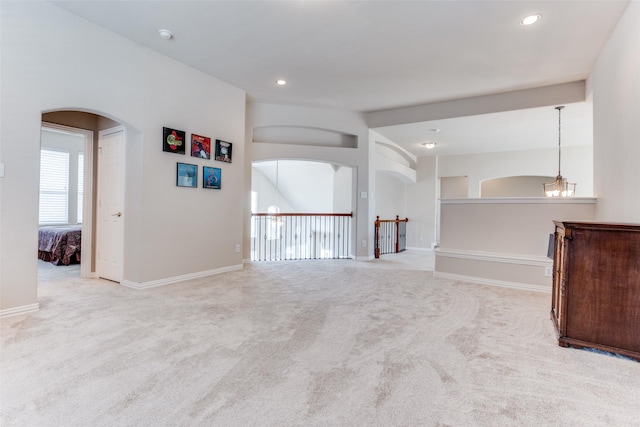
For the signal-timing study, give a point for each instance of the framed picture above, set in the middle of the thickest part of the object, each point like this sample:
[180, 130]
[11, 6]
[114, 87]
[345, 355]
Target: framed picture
[211, 177]
[187, 175]
[223, 151]
[200, 146]
[173, 141]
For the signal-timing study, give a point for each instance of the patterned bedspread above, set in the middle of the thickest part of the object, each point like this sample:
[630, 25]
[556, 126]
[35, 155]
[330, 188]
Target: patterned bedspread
[60, 244]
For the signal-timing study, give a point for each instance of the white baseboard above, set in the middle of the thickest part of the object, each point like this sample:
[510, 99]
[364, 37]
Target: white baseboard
[492, 282]
[176, 279]
[364, 258]
[16, 311]
[536, 261]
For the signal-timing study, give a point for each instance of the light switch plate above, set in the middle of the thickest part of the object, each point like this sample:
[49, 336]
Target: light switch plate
[1, 170]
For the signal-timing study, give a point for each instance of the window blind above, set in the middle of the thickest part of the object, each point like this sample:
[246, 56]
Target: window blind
[54, 187]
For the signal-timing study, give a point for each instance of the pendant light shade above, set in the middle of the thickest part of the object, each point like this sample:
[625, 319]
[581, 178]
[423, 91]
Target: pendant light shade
[560, 187]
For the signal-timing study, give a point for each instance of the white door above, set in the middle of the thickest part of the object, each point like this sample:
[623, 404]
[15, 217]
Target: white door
[110, 204]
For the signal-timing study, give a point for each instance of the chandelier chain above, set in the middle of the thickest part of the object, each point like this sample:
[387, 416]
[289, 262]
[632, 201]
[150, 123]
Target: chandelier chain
[559, 135]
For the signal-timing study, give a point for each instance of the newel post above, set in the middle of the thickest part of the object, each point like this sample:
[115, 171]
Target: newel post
[376, 237]
[397, 233]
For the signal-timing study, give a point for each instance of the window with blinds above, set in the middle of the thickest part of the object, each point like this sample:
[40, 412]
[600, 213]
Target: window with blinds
[54, 187]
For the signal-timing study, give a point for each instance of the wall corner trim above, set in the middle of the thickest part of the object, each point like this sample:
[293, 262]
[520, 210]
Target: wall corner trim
[17, 311]
[177, 279]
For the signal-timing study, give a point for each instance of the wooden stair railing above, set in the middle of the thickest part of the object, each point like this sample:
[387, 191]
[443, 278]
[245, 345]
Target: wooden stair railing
[390, 235]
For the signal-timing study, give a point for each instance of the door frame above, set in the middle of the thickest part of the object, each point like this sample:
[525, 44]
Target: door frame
[123, 168]
[86, 254]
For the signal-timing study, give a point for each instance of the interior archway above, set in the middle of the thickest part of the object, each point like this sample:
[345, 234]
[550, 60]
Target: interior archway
[293, 200]
[67, 124]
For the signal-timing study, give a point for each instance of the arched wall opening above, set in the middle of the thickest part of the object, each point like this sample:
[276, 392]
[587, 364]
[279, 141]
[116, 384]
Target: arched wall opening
[301, 209]
[69, 123]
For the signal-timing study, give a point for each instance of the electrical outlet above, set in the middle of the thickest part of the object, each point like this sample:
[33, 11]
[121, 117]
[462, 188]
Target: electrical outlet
[548, 271]
[364, 243]
[237, 248]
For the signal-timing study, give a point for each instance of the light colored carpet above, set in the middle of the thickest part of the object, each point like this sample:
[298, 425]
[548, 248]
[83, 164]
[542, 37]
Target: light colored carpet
[311, 343]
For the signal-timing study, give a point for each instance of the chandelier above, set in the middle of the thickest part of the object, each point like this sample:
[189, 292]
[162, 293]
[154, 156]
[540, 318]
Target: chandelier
[560, 187]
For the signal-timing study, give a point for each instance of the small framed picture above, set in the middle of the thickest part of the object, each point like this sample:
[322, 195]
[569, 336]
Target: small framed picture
[200, 146]
[187, 175]
[211, 178]
[223, 151]
[173, 141]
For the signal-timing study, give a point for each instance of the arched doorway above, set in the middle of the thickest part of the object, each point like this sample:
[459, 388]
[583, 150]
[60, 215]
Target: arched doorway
[77, 135]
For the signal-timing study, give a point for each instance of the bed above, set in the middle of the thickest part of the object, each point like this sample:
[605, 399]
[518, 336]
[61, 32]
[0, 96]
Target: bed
[60, 245]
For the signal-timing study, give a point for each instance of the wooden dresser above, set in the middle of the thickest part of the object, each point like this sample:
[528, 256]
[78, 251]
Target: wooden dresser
[595, 300]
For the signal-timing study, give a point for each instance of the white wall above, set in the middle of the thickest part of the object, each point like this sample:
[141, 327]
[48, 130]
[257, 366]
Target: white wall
[405, 186]
[53, 60]
[389, 196]
[267, 194]
[391, 158]
[342, 189]
[454, 187]
[421, 199]
[307, 185]
[503, 241]
[515, 186]
[388, 152]
[413, 199]
[614, 85]
[302, 186]
[577, 166]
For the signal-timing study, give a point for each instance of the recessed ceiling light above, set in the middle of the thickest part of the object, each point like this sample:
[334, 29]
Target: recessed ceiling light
[165, 34]
[531, 19]
[281, 82]
[429, 145]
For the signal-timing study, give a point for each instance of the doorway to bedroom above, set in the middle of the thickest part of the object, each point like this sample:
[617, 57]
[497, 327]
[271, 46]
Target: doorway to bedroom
[67, 199]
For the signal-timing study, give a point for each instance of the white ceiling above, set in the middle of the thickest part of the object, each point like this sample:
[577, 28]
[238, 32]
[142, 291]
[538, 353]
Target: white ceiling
[507, 131]
[375, 55]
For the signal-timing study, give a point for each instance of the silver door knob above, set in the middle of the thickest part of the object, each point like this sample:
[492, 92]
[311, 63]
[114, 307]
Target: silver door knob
[118, 214]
